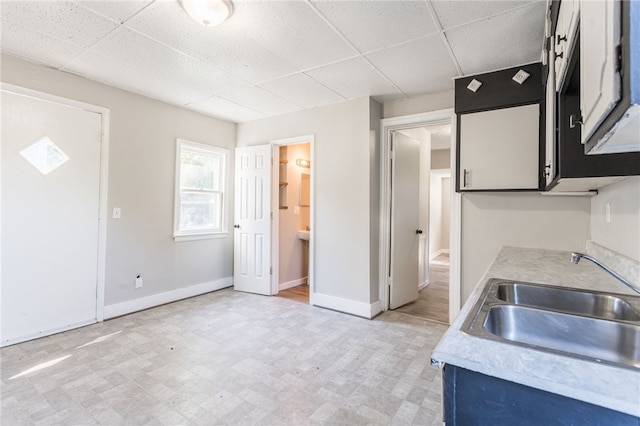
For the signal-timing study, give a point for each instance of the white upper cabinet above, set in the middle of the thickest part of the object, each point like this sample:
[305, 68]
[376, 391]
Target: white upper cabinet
[600, 81]
[564, 40]
[499, 149]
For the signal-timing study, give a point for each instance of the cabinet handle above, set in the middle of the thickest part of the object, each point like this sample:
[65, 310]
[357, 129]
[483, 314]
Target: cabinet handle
[575, 120]
[464, 178]
[561, 38]
[236, 226]
[418, 231]
[559, 55]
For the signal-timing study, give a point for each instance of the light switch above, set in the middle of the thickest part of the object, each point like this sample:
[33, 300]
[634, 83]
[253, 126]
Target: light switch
[116, 212]
[607, 213]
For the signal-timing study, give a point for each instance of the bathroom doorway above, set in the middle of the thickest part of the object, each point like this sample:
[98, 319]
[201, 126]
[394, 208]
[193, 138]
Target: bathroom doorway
[292, 220]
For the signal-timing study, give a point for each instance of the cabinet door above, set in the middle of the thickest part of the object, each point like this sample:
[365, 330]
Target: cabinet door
[599, 77]
[565, 37]
[550, 126]
[499, 149]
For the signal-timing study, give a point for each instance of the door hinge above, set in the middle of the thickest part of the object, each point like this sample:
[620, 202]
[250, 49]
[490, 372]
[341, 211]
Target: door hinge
[271, 270]
[619, 59]
[271, 215]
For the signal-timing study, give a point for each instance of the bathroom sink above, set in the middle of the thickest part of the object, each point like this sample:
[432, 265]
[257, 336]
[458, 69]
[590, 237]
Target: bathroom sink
[597, 326]
[304, 235]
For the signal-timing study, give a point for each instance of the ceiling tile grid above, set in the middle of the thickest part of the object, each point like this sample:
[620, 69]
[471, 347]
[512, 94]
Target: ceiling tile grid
[418, 66]
[501, 41]
[372, 25]
[273, 57]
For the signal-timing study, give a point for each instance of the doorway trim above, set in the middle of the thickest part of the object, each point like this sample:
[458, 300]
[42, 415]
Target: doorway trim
[389, 125]
[103, 179]
[275, 222]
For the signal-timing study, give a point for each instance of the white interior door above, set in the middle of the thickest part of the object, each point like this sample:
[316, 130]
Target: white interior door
[252, 227]
[405, 195]
[49, 218]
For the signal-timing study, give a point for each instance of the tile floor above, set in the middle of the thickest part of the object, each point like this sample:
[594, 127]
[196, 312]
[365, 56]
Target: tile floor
[228, 358]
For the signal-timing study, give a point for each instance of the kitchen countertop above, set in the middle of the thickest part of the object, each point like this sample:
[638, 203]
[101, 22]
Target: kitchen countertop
[600, 384]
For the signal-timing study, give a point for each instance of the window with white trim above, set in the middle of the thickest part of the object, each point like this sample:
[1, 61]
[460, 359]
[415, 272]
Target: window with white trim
[200, 191]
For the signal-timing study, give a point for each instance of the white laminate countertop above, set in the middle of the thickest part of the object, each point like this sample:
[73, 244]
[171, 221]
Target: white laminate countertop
[605, 385]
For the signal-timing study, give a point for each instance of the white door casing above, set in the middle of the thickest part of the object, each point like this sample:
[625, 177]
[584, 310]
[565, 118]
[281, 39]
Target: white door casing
[405, 220]
[52, 257]
[252, 225]
[388, 125]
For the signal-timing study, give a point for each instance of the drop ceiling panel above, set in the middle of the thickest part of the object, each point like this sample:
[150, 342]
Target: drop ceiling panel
[302, 90]
[296, 32]
[128, 77]
[371, 25]
[227, 46]
[260, 100]
[355, 78]
[502, 41]
[118, 10]
[35, 46]
[417, 67]
[224, 109]
[64, 21]
[452, 13]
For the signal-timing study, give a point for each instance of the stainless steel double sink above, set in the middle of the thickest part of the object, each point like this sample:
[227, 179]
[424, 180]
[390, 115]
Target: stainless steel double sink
[597, 326]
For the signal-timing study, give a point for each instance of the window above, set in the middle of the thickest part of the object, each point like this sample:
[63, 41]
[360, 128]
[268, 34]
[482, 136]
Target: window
[200, 191]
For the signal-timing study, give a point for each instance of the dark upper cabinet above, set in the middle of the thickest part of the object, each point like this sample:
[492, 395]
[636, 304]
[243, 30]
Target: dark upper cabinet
[567, 167]
[610, 76]
[499, 130]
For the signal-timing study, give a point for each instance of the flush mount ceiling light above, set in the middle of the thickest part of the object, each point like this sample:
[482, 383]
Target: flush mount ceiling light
[303, 163]
[208, 13]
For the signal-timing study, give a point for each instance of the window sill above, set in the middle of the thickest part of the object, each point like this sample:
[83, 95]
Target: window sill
[195, 237]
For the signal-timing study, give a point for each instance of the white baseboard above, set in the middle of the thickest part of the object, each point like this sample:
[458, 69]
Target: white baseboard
[438, 253]
[123, 308]
[360, 309]
[423, 285]
[294, 283]
[14, 340]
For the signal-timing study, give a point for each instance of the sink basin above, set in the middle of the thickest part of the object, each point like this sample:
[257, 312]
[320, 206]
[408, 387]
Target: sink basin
[304, 235]
[611, 341]
[566, 300]
[596, 326]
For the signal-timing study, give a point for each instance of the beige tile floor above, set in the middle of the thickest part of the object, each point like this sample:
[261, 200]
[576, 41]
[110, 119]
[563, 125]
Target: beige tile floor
[228, 358]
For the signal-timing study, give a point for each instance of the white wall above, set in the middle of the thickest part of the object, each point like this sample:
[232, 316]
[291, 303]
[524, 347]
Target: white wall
[440, 211]
[342, 161]
[141, 183]
[292, 252]
[622, 234]
[493, 220]
[418, 104]
[441, 159]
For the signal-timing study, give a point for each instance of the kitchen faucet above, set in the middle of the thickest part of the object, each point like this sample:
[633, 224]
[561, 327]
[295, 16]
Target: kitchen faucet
[575, 258]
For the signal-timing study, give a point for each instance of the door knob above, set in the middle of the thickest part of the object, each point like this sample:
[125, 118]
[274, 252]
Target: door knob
[236, 226]
[418, 231]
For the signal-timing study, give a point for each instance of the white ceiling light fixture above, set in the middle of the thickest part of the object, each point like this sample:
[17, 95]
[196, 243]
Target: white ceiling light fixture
[208, 13]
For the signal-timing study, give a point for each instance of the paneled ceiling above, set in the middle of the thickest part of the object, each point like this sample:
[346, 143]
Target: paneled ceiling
[273, 57]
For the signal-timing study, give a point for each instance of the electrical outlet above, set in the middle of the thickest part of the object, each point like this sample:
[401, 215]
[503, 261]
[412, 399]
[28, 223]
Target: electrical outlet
[139, 281]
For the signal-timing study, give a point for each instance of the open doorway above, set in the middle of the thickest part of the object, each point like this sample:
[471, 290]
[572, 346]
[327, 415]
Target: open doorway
[432, 301]
[292, 218]
[439, 221]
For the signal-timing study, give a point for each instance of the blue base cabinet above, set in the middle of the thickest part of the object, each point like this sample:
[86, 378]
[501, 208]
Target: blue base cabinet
[472, 398]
